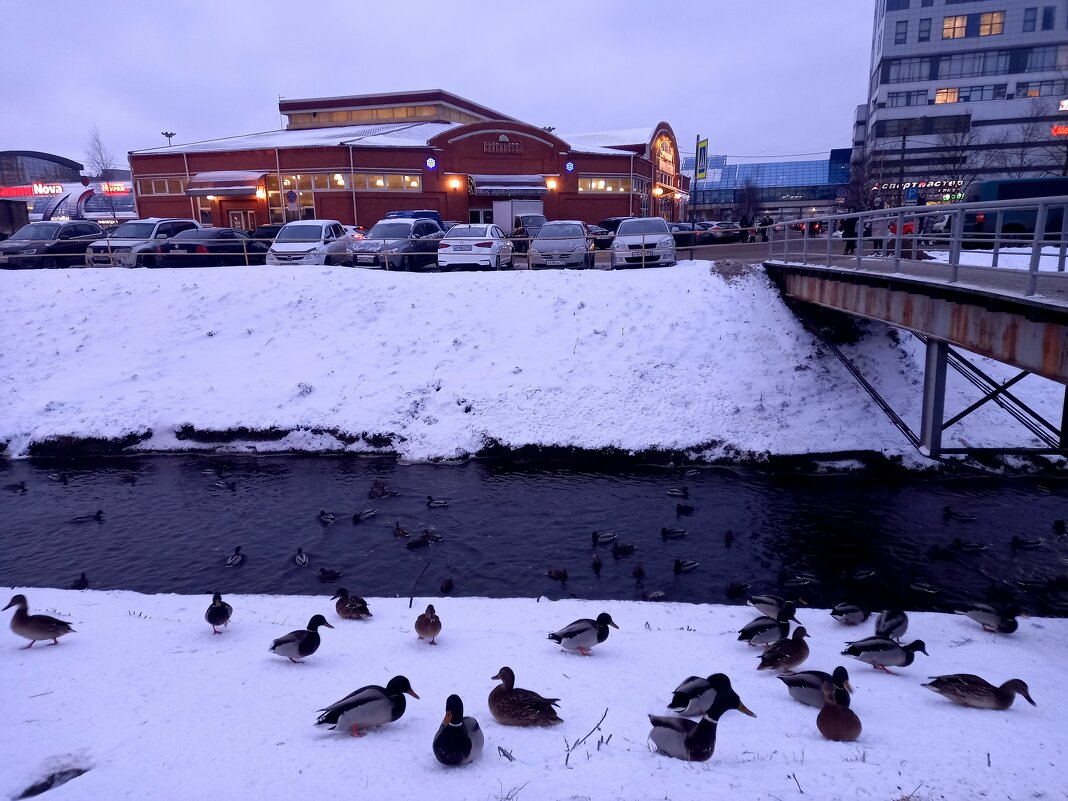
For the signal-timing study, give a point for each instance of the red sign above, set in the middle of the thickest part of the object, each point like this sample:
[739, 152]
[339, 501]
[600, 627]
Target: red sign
[16, 191]
[1059, 130]
[47, 189]
[114, 188]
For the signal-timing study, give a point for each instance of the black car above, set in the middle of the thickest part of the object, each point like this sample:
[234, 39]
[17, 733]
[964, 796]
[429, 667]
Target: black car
[211, 247]
[49, 244]
[612, 223]
[266, 233]
[602, 237]
[689, 234]
[396, 243]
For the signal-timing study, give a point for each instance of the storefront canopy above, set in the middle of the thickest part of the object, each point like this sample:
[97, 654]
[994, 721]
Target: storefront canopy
[514, 185]
[234, 183]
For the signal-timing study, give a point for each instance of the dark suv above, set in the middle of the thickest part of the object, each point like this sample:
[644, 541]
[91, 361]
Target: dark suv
[524, 228]
[395, 243]
[49, 244]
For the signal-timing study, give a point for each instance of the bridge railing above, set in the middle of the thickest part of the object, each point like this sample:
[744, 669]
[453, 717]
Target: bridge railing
[1035, 227]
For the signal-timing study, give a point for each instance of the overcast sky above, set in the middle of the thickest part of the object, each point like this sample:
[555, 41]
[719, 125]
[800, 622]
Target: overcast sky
[760, 77]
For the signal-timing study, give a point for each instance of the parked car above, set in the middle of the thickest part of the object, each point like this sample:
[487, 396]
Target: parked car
[643, 242]
[49, 244]
[481, 245]
[562, 243]
[420, 214]
[306, 242]
[722, 232]
[602, 237]
[211, 247]
[689, 234]
[396, 243]
[524, 228]
[136, 243]
[612, 223]
[266, 233]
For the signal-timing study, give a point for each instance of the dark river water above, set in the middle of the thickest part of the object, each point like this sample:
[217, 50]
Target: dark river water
[170, 522]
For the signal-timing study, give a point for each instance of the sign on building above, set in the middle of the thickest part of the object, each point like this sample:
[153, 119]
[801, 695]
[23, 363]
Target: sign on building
[702, 160]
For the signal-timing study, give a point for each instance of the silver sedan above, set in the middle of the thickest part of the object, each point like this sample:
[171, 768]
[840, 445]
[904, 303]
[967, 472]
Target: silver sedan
[562, 243]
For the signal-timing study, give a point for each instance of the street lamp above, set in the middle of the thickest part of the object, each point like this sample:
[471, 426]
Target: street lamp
[170, 135]
[905, 131]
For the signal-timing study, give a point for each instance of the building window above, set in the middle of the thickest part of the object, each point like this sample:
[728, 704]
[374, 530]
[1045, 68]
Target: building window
[1030, 19]
[926, 3]
[972, 65]
[904, 70]
[1041, 59]
[992, 23]
[161, 186]
[946, 96]
[924, 34]
[954, 27]
[1041, 88]
[899, 99]
[604, 184]
[897, 5]
[1049, 17]
[901, 32]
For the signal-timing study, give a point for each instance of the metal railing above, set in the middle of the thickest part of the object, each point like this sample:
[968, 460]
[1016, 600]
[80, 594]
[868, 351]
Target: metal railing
[912, 233]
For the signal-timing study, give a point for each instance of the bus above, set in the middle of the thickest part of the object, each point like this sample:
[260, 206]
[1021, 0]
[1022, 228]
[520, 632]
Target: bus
[979, 228]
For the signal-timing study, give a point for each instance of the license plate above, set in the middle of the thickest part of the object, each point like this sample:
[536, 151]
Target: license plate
[554, 262]
[3, 259]
[365, 259]
[463, 247]
[179, 250]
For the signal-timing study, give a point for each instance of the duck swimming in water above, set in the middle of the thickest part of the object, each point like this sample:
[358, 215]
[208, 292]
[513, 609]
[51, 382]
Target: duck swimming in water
[80, 583]
[325, 574]
[671, 533]
[93, 518]
[679, 492]
[364, 514]
[301, 559]
[685, 565]
[236, 559]
[433, 504]
[603, 537]
[557, 574]
[326, 518]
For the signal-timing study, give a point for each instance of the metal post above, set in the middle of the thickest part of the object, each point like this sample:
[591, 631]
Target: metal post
[955, 241]
[860, 240]
[804, 240]
[997, 240]
[830, 239]
[1036, 248]
[1064, 235]
[934, 398]
[898, 233]
[785, 240]
[1064, 420]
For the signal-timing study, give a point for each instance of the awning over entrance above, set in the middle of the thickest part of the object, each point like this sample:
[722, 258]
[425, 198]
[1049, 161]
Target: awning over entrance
[235, 183]
[508, 185]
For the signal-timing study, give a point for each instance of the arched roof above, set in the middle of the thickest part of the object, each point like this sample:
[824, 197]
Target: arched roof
[65, 162]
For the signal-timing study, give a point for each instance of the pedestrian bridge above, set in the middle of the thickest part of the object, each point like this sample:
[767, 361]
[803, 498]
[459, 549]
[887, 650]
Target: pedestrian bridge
[1013, 309]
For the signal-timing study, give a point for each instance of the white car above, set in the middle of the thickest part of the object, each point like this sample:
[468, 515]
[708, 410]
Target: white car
[475, 246]
[306, 242]
[643, 242]
[136, 243]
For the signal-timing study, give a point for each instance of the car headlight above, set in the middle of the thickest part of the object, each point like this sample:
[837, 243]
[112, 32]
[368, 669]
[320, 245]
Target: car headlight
[666, 242]
[120, 250]
[29, 251]
[619, 246]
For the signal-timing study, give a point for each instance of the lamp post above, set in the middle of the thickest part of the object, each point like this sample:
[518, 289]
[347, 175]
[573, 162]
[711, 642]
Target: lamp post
[170, 135]
[905, 131]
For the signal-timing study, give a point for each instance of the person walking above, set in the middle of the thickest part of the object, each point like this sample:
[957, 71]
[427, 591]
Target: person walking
[848, 227]
[880, 227]
[765, 227]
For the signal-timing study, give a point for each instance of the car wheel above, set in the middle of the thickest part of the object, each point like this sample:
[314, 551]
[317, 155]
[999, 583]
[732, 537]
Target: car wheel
[145, 261]
[49, 263]
[511, 262]
[497, 262]
[405, 264]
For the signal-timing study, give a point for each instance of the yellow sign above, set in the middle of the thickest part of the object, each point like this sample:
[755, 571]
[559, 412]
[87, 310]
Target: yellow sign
[702, 160]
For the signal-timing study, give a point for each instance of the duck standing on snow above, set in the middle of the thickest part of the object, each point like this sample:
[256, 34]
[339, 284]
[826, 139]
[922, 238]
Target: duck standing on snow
[786, 654]
[35, 627]
[236, 559]
[350, 607]
[770, 605]
[695, 742]
[850, 614]
[765, 630]
[218, 613]
[991, 619]
[428, 625]
[368, 707]
[967, 689]
[694, 696]
[807, 686]
[459, 740]
[882, 652]
[891, 623]
[514, 706]
[583, 634]
[836, 721]
[301, 643]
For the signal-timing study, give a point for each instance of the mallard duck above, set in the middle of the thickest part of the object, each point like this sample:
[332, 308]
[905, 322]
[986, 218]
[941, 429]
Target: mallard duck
[694, 696]
[400, 531]
[422, 541]
[557, 574]
[364, 514]
[764, 630]
[448, 584]
[325, 574]
[301, 559]
[236, 559]
[785, 654]
[619, 550]
[694, 742]
[967, 547]
[679, 492]
[850, 614]
[428, 625]
[603, 537]
[583, 634]
[218, 613]
[736, 589]
[883, 653]
[459, 739]
[807, 686]
[368, 707]
[97, 517]
[596, 564]
[836, 721]
[685, 565]
[378, 490]
[728, 538]
[35, 627]
[326, 518]
[433, 504]
[638, 572]
[350, 607]
[991, 619]
[513, 706]
[80, 583]
[670, 533]
[891, 623]
[60, 478]
[301, 643]
[970, 690]
[683, 509]
[1026, 544]
[949, 513]
[769, 605]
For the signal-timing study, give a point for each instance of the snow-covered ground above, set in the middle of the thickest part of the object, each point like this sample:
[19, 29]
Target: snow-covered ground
[156, 707]
[686, 358]
[1008, 258]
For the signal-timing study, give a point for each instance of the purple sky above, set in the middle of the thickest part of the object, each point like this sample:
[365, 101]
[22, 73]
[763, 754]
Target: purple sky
[763, 77]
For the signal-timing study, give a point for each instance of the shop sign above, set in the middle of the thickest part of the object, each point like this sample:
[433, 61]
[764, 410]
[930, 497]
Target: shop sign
[1062, 106]
[114, 188]
[505, 147]
[47, 189]
[916, 185]
[1059, 130]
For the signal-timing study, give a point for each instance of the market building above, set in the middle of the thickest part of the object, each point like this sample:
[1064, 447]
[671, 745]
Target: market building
[53, 187]
[355, 158]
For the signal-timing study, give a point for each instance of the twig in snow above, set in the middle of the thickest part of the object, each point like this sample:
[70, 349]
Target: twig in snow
[506, 754]
[580, 742]
[794, 777]
[411, 598]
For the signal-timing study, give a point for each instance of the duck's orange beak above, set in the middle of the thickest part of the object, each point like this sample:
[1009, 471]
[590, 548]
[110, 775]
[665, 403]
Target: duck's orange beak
[411, 692]
[746, 710]
[447, 720]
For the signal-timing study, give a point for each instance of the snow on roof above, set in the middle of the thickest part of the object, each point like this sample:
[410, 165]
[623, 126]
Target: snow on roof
[609, 139]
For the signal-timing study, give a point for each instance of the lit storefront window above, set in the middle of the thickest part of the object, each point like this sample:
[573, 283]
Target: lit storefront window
[307, 185]
[607, 184]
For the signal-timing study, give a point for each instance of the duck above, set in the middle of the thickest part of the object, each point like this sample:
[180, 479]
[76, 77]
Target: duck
[18, 487]
[433, 504]
[682, 509]
[764, 629]
[448, 584]
[619, 550]
[638, 572]
[236, 559]
[737, 589]
[428, 625]
[728, 538]
[350, 607]
[786, 654]
[80, 583]
[836, 721]
[301, 559]
[35, 627]
[694, 695]
[949, 513]
[883, 653]
[557, 574]
[422, 541]
[850, 614]
[603, 537]
[891, 623]
[769, 605]
[59, 478]
[363, 514]
[967, 547]
[302, 643]
[399, 531]
[596, 563]
[1025, 544]
[923, 587]
[584, 633]
[226, 485]
[514, 706]
[97, 517]
[967, 689]
[326, 574]
[807, 686]
[368, 707]
[378, 490]
[459, 740]
[991, 619]
[679, 492]
[326, 518]
[695, 742]
[218, 613]
[685, 565]
[671, 533]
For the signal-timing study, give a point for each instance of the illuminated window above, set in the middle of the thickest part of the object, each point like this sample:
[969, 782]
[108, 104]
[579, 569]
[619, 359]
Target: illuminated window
[947, 96]
[992, 23]
[954, 27]
[607, 184]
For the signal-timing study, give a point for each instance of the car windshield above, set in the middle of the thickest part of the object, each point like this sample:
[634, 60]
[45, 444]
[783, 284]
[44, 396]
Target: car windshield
[300, 233]
[390, 230]
[532, 220]
[36, 231]
[134, 230]
[560, 231]
[469, 231]
[655, 225]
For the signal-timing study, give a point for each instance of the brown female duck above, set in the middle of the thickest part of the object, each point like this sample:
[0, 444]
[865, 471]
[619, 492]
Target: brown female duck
[36, 627]
[967, 689]
[514, 706]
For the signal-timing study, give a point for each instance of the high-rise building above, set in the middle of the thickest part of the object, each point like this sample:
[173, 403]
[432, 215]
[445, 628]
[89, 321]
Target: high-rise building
[961, 91]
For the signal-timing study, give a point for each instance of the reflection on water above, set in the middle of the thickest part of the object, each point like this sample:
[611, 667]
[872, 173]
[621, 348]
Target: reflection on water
[169, 524]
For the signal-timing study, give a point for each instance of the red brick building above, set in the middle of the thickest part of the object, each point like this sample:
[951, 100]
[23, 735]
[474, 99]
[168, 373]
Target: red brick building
[355, 158]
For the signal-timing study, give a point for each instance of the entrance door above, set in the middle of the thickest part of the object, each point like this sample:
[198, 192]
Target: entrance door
[242, 219]
[479, 216]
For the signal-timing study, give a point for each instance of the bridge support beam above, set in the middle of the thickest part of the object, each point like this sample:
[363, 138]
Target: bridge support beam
[934, 397]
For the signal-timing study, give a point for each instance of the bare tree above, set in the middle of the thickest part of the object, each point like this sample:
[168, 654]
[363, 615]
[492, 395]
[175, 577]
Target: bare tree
[862, 178]
[747, 200]
[961, 159]
[100, 163]
[1026, 150]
